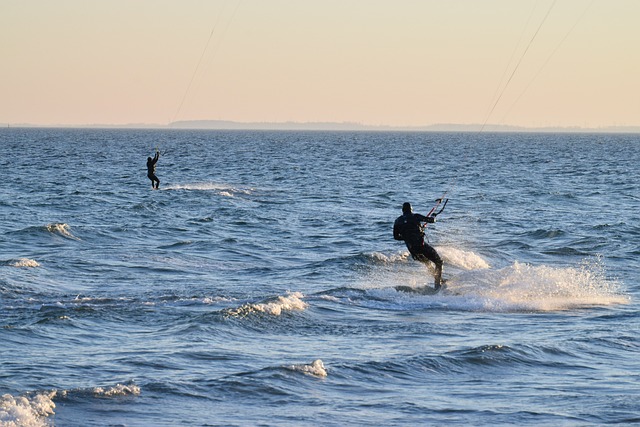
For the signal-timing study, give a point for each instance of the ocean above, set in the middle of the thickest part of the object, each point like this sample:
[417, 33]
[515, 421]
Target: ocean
[257, 285]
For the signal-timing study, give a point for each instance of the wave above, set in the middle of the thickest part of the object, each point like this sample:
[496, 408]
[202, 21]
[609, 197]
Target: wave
[315, 369]
[30, 410]
[57, 228]
[105, 392]
[399, 269]
[481, 360]
[61, 229]
[474, 286]
[221, 189]
[543, 234]
[275, 307]
[21, 263]
[509, 357]
[33, 409]
[453, 257]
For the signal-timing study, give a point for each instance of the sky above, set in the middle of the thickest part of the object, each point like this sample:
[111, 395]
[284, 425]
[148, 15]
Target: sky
[533, 63]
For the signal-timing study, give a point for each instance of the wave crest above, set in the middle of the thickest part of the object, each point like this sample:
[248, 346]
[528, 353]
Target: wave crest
[26, 411]
[117, 390]
[221, 189]
[61, 229]
[22, 263]
[291, 302]
[316, 369]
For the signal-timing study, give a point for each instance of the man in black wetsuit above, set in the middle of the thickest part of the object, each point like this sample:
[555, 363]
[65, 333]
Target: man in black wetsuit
[409, 227]
[151, 170]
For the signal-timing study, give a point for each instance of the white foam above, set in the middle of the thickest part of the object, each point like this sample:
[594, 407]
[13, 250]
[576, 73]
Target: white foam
[474, 286]
[26, 411]
[222, 189]
[214, 300]
[62, 229]
[525, 287]
[462, 259]
[23, 263]
[316, 369]
[290, 302]
[117, 390]
[384, 258]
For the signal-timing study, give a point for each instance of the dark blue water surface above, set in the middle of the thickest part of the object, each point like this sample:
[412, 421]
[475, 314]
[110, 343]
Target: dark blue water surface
[257, 286]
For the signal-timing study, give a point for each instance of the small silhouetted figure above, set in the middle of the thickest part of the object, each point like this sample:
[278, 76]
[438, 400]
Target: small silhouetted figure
[151, 170]
[410, 228]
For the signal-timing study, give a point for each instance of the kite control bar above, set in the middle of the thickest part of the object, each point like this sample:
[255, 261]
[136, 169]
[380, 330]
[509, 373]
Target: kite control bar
[434, 212]
[162, 153]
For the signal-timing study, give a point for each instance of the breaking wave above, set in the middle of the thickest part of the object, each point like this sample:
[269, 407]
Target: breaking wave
[61, 229]
[21, 263]
[316, 369]
[34, 408]
[275, 307]
[26, 411]
[221, 189]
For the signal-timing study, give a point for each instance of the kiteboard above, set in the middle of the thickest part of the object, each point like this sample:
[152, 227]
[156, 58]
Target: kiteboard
[421, 290]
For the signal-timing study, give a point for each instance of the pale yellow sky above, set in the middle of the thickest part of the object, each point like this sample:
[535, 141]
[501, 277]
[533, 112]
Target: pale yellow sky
[376, 62]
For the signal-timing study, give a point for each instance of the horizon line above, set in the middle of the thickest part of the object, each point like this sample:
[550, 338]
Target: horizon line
[331, 126]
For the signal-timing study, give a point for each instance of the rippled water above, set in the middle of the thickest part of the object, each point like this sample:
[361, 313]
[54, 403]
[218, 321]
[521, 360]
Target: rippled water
[257, 285]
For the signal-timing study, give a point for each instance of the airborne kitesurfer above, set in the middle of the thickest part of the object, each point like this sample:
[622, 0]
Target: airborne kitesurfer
[151, 170]
[410, 227]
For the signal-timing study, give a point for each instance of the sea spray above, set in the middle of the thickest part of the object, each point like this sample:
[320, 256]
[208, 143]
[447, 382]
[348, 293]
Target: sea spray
[275, 307]
[527, 287]
[61, 229]
[316, 369]
[22, 263]
[26, 411]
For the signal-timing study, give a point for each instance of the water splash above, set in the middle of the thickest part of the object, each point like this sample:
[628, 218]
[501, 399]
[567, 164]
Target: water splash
[222, 189]
[291, 302]
[61, 229]
[474, 286]
[22, 263]
[526, 287]
[26, 411]
[316, 369]
[465, 260]
[381, 258]
[117, 390]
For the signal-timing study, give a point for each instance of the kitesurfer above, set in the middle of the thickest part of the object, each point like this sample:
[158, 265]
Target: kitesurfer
[410, 227]
[151, 170]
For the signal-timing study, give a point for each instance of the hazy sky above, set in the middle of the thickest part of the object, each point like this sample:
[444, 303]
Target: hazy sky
[376, 62]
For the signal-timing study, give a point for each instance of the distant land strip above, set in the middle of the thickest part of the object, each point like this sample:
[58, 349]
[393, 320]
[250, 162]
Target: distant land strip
[335, 126]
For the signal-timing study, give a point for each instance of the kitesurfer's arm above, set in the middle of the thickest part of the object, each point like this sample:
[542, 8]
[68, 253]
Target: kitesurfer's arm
[396, 231]
[422, 218]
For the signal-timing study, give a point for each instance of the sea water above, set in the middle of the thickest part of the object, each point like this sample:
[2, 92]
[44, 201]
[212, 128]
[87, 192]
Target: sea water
[257, 285]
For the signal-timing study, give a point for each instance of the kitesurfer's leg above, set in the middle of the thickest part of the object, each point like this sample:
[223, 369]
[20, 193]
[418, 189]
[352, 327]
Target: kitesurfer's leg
[425, 253]
[431, 254]
[155, 182]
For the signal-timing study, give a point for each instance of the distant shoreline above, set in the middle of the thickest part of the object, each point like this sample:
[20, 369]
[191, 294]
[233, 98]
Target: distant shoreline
[331, 126]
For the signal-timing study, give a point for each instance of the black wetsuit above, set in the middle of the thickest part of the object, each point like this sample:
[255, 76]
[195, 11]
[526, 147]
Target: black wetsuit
[151, 170]
[409, 227]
